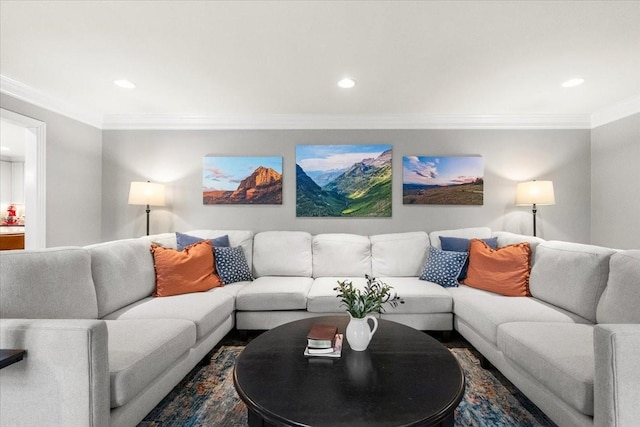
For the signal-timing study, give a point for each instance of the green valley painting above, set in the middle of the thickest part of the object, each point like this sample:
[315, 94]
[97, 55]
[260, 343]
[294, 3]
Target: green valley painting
[241, 180]
[343, 180]
[443, 180]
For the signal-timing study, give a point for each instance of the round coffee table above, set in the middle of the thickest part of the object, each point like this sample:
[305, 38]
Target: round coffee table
[404, 378]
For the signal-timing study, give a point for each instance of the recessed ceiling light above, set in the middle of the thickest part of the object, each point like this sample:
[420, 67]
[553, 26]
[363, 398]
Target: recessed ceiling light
[346, 83]
[573, 82]
[126, 84]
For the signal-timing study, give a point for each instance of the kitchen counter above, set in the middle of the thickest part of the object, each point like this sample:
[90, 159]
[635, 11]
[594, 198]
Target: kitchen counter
[11, 229]
[11, 237]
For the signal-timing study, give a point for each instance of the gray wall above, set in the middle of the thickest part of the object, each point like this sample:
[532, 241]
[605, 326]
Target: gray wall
[175, 158]
[89, 171]
[73, 175]
[615, 188]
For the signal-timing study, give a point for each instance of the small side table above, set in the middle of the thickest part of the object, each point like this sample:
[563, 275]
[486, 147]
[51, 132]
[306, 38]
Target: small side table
[9, 357]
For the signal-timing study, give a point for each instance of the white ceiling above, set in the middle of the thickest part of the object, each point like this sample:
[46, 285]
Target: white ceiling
[12, 141]
[258, 59]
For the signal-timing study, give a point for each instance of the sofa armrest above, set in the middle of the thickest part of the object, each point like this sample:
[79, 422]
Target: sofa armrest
[63, 379]
[617, 375]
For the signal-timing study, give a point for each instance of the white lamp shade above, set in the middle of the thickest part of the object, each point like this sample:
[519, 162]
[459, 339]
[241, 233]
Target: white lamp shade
[146, 193]
[535, 192]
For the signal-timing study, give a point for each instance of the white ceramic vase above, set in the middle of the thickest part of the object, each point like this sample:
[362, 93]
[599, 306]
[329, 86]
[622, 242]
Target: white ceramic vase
[359, 332]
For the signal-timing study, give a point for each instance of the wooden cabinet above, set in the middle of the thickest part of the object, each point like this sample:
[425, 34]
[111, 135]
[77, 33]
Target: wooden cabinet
[11, 241]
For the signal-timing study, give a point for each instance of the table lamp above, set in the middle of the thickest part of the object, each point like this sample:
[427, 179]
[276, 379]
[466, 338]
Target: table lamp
[146, 193]
[535, 193]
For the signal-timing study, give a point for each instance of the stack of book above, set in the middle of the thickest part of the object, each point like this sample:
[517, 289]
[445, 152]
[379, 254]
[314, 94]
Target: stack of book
[323, 341]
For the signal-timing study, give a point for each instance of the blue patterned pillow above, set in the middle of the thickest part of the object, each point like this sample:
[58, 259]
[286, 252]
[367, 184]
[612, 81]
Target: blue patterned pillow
[443, 267]
[458, 244]
[185, 240]
[231, 265]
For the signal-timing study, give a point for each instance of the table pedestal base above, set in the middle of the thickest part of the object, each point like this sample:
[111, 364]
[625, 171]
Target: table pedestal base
[256, 420]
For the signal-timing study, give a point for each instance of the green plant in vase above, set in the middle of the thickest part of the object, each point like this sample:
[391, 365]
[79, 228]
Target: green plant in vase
[361, 304]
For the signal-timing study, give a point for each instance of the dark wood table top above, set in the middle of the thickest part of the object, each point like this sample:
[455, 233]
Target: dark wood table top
[404, 378]
[9, 357]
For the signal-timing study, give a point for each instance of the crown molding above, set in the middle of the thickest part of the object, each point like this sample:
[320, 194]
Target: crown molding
[317, 121]
[33, 96]
[615, 112]
[314, 121]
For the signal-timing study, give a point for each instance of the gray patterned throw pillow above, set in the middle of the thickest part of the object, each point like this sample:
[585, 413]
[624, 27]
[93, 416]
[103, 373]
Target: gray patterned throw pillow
[232, 265]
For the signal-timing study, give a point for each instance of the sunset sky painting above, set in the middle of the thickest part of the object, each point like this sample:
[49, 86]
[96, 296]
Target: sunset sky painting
[443, 180]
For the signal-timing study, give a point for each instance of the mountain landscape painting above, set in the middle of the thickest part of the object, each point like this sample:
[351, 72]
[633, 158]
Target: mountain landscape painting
[241, 180]
[343, 180]
[453, 180]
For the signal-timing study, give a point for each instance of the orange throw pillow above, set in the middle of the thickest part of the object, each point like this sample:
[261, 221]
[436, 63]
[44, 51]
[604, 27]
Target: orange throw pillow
[504, 270]
[186, 271]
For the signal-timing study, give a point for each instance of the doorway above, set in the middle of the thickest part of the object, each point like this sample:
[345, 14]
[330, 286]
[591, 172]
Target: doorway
[34, 133]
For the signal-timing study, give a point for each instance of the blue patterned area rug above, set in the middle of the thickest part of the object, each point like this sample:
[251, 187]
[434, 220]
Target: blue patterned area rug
[207, 397]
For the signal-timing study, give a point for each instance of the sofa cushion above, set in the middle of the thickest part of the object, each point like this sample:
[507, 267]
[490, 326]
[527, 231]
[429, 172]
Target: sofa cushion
[207, 310]
[398, 254]
[51, 283]
[485, 313]
[443, 267]
[123, 273]
[558, 355]
[419, 296]
[181, 272]
[465, 233]
[274, 293]
[233, 288]
[167, 240]
[231, 265]
[570, 275]
[282, 253]
[620, 300]
[339, 254]
[184, 240]
[142, 350]
[506, 238]
[463, 290]
[504, 271]
[322, 297]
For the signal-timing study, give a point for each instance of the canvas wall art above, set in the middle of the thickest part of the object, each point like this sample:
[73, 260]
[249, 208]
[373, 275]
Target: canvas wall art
[443, 180]
[241, 180]
[343, 180]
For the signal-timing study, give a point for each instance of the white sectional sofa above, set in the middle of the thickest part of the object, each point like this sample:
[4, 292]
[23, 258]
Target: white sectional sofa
[102, 351]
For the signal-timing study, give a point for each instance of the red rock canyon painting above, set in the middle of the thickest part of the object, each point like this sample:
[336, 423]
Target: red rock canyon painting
[241, 180]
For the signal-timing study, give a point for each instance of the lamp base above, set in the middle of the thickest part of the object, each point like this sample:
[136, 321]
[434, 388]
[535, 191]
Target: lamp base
[149, 211]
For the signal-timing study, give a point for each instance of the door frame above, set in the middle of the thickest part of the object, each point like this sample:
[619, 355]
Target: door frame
[34, 177]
